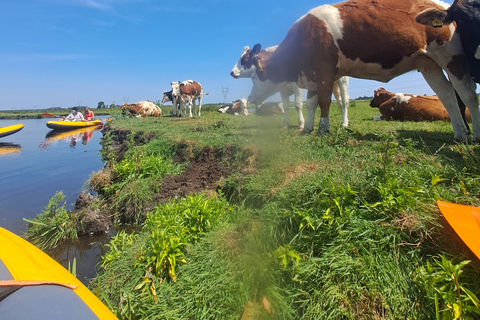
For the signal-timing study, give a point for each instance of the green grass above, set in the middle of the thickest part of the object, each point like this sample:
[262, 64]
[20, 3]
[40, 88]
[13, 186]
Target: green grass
[331, 227]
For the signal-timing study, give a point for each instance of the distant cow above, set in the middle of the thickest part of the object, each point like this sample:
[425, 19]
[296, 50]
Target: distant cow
[188, 91]
[246, 68]
[408, 107]
[168, 96]
[143, 109]
[377, 40]
[238, 107]
[270, 109]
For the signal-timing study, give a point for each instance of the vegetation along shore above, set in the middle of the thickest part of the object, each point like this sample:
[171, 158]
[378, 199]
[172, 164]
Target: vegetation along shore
[241, 219]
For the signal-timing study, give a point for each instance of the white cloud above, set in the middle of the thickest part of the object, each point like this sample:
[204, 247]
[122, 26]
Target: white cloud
[96, 5]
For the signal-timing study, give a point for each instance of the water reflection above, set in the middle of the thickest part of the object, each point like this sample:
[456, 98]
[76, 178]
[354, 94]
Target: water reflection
[7, 148]
[72, 137]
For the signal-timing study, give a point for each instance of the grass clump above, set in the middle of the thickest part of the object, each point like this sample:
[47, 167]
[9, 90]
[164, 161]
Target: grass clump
[52, 225]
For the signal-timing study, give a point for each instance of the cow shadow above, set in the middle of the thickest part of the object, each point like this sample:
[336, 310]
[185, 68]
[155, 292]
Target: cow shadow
[441, 143]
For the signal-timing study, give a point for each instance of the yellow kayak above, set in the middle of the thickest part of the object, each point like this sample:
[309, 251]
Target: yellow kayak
[6, 131]
[465, 220]
[34, 286]
[67, 125]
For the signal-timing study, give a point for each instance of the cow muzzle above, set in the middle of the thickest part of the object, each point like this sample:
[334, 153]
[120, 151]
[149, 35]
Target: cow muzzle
[234, 75]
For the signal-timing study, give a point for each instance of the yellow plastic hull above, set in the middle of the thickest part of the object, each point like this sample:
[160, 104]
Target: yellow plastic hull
[30, 266]
[6, 131]
[67, 125]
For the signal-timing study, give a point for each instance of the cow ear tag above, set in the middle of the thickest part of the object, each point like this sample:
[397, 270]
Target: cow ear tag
[437, 23]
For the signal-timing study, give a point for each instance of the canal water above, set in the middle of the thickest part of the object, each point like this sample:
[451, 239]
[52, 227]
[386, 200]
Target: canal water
[35, 163]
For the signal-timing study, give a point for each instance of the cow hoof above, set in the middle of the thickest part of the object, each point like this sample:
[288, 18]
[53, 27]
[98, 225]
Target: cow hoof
[305, 132]
[321, 133]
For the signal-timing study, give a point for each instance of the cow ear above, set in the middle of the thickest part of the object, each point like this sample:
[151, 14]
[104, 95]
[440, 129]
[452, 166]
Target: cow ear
[433, 17]
[256, 48]
[477, 53]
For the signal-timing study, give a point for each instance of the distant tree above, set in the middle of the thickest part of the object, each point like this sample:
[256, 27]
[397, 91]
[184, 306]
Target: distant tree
[112, 105]
[101, 105]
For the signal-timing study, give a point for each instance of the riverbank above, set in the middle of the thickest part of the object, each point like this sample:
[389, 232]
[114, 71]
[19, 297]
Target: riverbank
[290, 226]
[37, 114]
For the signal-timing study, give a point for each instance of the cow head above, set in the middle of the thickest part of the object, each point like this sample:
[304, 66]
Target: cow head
[167, 96]
[380, 96]
[245, 65]
[175, 88]
[466, 15]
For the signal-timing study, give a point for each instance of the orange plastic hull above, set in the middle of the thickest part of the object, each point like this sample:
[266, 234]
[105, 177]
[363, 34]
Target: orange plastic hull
[465, 220]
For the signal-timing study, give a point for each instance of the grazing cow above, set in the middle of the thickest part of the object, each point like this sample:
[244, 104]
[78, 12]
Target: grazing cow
[188, 91]
[268, 109]
[408, 107]
[466, 14]
[376, 40]
[168, 96]
[143, 109]
[238, 107]
[245, 68]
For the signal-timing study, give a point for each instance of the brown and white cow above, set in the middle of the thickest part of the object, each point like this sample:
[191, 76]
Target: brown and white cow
[268, 109]
[246, 68]
[409, 107]
[143, 109]
[376, 40]
[238, 107]
[188, 91]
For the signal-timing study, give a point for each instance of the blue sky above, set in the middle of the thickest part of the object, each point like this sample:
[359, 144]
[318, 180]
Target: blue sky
[61, 53]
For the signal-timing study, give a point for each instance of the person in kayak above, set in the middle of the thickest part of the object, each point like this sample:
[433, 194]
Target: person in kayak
[74, 116]
[88, 115]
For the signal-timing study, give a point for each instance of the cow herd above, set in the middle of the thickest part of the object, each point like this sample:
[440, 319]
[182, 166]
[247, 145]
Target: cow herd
[377, 40]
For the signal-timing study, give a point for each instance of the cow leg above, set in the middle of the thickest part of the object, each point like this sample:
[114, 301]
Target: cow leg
[462, 107]
[466, 91]
[324, 95]
[286, 103]
[435, 78]
[174, 110]
[298, 100]
[190, 107]
[312, 102]
[200, 105]
[343, 100]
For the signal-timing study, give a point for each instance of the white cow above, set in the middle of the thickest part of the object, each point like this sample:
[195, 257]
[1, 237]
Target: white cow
[245, 68]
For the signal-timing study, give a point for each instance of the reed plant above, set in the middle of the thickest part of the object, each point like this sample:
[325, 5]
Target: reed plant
[52, 225]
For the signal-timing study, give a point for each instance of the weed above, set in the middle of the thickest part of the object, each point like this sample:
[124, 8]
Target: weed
[443, 287]
[53, 224]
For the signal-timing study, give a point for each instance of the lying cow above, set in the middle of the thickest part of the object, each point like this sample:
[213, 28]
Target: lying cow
[143, 109]
[408, 107]
[246, 68]
[187, 92]
[270, 109]
[238, 107]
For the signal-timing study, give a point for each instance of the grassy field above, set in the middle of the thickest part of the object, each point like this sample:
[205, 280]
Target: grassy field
[342, 226]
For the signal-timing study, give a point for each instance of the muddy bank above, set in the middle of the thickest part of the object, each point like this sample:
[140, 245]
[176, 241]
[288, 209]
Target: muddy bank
[204, 169]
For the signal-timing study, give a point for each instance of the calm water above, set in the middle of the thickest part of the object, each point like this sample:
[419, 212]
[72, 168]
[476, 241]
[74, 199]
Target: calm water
[34, 164]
